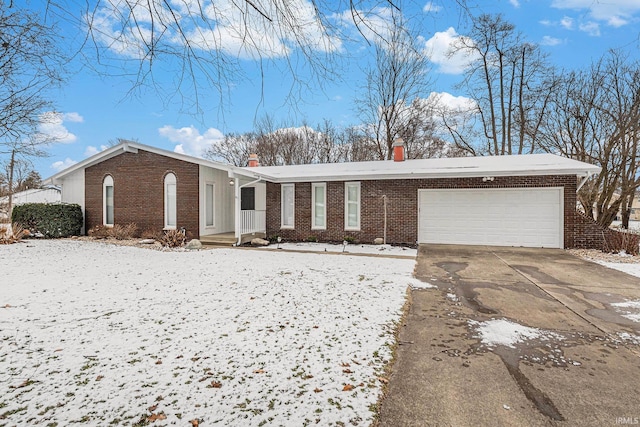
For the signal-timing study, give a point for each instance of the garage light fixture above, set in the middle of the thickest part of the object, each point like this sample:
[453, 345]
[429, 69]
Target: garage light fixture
[488, 178]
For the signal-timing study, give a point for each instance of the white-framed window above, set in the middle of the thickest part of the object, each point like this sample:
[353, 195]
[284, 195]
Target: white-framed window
[170, 203]
[107, 200]
[319, 206]
[352, 206]
[288, 205]
[209, 200]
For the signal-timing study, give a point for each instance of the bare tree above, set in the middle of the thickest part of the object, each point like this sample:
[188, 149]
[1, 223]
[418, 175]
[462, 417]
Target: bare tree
[30, 65]
[234, 149]
[394, 82]
[511, 82]
[595, 118]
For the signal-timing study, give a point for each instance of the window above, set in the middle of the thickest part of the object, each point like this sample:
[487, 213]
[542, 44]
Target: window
[209, 194]
[352, 206]
[287, 205]
[170, 211]
[248, 199]
[107, 200]
[319, 206]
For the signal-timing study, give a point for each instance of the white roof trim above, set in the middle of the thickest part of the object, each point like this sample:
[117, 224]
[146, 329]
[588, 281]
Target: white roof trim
[451, 167]
[133, 147]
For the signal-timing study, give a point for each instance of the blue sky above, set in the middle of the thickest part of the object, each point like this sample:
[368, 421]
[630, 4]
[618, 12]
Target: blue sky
[93, 109]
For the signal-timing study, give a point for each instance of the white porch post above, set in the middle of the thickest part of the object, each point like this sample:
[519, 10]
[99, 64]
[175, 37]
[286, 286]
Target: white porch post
[236, 217]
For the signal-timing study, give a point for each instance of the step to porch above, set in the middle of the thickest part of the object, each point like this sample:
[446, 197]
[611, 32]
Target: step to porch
[224, 239]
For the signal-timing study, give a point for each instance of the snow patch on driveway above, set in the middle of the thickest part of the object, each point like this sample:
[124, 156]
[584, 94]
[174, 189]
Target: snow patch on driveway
[507, 333]
[629, 309]
[102, 334]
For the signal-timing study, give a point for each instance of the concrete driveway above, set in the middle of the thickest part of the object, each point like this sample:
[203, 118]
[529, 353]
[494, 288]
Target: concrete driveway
[579, 367]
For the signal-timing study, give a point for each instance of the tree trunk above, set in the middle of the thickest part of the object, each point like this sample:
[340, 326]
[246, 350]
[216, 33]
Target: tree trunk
[12, 163]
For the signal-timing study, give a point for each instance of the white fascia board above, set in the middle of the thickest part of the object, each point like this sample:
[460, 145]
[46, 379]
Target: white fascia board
[133, 147]
[431, 175]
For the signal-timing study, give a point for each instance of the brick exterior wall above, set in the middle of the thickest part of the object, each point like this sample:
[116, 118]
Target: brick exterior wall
[138, 187]
[402, 208]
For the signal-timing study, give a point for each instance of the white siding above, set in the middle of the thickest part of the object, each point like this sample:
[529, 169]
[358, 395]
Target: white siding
[224, 203]
[73, 190]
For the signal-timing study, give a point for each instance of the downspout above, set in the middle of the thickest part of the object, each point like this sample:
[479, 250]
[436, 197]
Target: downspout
[384, 232]
[238, 232]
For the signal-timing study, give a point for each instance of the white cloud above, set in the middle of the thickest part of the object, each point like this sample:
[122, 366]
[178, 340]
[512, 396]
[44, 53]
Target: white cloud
[438, 48]
[189, 140]
[591, 28]
[224, 25]
[451, 103]
[62, 164]
[374, 25]
[550, 41]
[615, 13]
[567, 22]
[52, 126]
[616, 21]
[515, 3]
[91, 150]
[431, 8]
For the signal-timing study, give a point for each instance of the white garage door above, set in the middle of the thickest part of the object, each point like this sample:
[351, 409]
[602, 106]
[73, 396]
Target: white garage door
[530, 217]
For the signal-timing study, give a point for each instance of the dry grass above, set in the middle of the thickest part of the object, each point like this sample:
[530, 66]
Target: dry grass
[12, 234]
[173, 239]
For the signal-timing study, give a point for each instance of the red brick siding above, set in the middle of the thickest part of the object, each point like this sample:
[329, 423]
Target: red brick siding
[138, 187]
[402, 207]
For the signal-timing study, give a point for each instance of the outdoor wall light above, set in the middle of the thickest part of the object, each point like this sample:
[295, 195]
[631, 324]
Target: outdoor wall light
[231, 182]
[488, 178]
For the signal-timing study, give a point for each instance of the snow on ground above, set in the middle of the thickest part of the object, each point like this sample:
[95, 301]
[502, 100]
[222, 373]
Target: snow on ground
[504, 332]
[102, 334]
[629, 268]
[349, 248]
[629, 309]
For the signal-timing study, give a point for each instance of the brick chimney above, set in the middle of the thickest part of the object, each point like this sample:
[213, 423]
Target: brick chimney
[253, 161]
[398, 150]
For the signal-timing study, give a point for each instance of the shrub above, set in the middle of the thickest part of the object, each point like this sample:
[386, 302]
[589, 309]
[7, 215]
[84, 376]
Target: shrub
[173, 238]
[124, 232]
[618, 241]
[349, 239]
[51, 220]
[11, 233]
[100, 232]
[312, 239]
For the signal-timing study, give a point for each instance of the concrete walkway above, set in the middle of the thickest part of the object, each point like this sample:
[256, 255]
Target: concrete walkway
[586, 374]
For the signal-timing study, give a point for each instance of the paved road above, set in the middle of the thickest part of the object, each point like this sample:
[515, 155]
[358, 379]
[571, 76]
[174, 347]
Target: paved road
[582, 372]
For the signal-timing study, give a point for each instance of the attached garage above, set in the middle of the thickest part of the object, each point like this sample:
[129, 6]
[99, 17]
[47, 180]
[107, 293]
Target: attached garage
[529, 217]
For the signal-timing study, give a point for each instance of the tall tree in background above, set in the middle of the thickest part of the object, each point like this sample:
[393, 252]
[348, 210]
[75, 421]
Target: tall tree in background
[511, 83]
[595, 118]
[390, 104]
[30, 65]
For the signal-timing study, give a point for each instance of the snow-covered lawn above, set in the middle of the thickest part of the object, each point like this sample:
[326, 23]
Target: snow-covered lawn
[105, 334]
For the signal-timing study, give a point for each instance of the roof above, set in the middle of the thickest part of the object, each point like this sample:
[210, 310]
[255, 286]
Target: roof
[133, 147]
[451, 167]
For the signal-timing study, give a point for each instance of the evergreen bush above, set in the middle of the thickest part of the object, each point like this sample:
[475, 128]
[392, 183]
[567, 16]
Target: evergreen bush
[51, 220]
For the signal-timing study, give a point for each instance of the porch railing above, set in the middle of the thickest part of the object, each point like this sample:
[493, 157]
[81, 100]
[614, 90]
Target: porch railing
[253, 222]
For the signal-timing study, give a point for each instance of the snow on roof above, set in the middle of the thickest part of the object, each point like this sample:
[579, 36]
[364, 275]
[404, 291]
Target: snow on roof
[452, 167]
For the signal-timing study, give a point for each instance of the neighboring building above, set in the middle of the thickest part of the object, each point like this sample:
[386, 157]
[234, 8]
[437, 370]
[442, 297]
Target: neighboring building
[525, 200]
[49, 194]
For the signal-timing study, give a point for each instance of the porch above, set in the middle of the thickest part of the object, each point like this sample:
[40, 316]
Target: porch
[252, 225]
